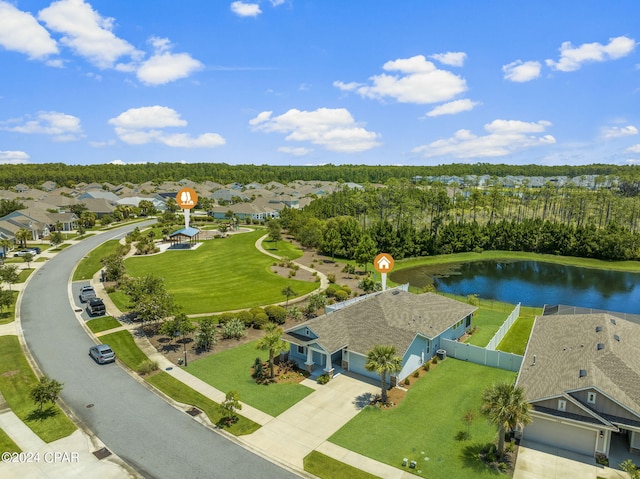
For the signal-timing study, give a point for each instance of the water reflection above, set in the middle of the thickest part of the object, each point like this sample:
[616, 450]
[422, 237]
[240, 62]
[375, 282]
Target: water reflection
[532, 283]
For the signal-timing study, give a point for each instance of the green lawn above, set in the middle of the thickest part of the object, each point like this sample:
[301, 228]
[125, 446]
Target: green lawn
[104, 323]
[125, 348]
[517, 338]
[184, 394]
[327, 467]
[7, 444]
[282, 248]
[8, 315]
[488, 322]
[121, 300]
[231, 369]
[60, 247]
[16, 381]
[24, 274]
[90, 265]
[425, 424]
[220, 275]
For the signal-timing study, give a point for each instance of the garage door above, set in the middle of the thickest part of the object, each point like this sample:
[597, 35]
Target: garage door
[560, 435]
[356, 365]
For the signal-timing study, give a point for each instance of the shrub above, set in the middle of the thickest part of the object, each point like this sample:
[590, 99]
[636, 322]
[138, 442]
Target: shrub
[233, 329]
[323, 379]
[346, 289]
[426, 366]
[147, 367]
[331, 278]
[407, 381]
[256, 311]
[226, 317]
[435, 360]
[416, 374]
[331, 290]
[462, 436]
[259, 320]
[341, 295]
[246, 317]
[276, 314]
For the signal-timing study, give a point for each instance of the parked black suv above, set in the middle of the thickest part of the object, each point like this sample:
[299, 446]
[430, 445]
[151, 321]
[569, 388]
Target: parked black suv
[95, 307]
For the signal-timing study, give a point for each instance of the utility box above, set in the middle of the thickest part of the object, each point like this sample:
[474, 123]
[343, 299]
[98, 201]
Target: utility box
[442, 354]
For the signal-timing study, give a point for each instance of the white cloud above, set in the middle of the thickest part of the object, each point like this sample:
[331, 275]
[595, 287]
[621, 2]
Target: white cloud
[453, 107]
[632, 161]
[418, 81]
[246, 9]
[454, 59]
[13, 157]
[21, 32]
[301, 151]
[139, 126]
[148, 117]
[572, 58]
[276, 3]
[633, 149]
[60, 126]
[504, 137]
[617, 132]
[86, 32]
[334, 129]
[164, 66]
[521, 72]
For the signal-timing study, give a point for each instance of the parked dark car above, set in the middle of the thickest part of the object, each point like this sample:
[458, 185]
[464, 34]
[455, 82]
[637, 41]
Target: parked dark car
[102, 353]
[86, 293]
[96, 307]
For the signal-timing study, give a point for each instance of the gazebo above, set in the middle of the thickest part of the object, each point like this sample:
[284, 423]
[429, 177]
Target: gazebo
[184, 238]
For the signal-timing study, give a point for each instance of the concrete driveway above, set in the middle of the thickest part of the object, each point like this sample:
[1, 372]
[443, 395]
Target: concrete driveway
[303, 427]
[539, 461]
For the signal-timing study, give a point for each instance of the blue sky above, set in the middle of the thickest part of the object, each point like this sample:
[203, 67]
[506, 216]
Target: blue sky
[293, 82]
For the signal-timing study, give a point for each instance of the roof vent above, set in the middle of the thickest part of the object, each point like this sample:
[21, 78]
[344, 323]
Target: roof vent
[598, 329]
[600, 346]
[613, 321]
[616, 337]
[583, 373]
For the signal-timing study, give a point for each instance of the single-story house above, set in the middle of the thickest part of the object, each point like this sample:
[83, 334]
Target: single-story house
[581, 375]
[243, 211]
[413, 323]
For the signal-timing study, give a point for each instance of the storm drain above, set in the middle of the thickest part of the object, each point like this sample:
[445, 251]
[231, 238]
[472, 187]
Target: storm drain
[194, 411]
[102, 453]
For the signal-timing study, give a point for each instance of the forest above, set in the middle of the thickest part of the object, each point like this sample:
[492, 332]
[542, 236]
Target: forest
[34, 175]
[409, 220]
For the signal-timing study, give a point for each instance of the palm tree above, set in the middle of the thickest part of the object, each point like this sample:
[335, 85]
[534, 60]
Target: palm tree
[383, 359]
[5, 244]
[288, 292]
[506, 407]
[22, 235]
[272, 342]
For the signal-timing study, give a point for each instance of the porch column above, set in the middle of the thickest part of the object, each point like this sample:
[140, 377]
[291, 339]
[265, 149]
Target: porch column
[329, 367]
[309, 362]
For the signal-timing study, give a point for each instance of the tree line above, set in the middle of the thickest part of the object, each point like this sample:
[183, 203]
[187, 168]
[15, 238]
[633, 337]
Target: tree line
[68, 175]
[408, 220]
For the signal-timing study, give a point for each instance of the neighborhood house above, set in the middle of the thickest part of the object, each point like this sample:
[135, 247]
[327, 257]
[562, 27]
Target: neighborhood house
[413, 323]
[581, 374]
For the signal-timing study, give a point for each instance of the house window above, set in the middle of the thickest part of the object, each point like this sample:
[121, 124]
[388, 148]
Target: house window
[306, 332]
[562, 405]
[468, 322]
[300, 349]
[591, 398]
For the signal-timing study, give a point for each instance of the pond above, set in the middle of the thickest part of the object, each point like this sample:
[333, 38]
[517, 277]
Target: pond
[531, 283]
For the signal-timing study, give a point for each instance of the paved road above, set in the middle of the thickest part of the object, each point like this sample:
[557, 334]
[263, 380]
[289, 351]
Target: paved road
[155, 438]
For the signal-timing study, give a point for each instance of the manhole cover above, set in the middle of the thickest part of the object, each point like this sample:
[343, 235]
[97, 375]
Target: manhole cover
[102, 453]
[194, 411]
[90, 405]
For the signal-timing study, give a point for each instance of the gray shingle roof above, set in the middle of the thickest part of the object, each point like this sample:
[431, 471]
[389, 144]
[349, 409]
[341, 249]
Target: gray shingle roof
[391, 317]
[565, 344]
